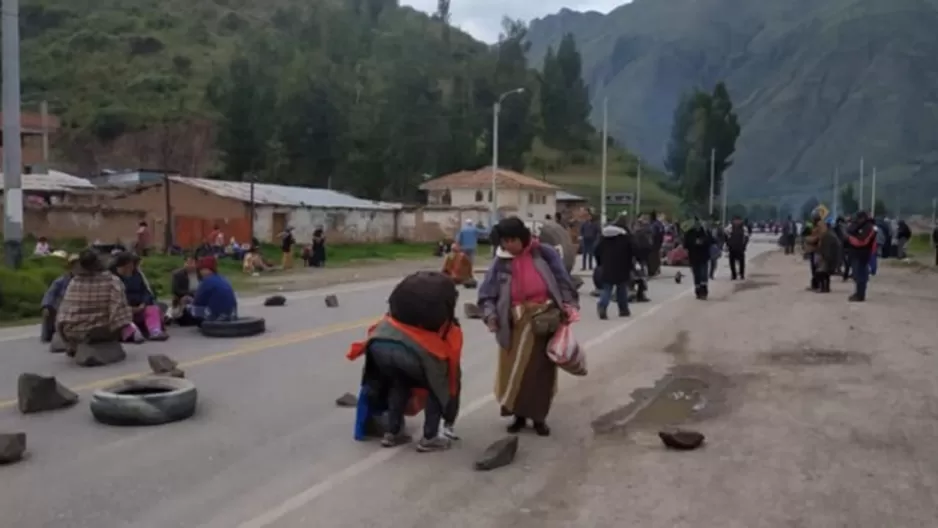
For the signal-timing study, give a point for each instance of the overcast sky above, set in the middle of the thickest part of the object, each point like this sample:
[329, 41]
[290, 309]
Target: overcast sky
[483, 18]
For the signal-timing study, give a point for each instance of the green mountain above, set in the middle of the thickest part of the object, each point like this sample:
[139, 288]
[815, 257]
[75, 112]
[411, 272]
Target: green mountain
[817, 84]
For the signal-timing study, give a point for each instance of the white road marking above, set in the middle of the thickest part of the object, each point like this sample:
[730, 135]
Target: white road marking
[377, 458]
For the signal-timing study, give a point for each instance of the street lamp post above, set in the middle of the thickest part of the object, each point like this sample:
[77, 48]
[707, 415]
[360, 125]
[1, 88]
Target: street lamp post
[496, 110]
[12, 146]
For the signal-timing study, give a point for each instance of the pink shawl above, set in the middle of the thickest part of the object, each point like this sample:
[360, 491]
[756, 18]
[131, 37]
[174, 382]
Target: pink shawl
[527, 285]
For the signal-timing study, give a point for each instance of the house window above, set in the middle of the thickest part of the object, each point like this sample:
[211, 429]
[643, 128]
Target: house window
[543, 199]
[531, 198]
[490, 196]
[478, 196]
[447, 198]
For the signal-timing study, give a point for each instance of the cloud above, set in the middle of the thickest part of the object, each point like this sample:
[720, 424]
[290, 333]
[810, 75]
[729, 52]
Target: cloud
[483, 18]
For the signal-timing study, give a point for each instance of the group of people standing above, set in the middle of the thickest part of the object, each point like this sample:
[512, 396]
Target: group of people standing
[849, 247]
[412, 356]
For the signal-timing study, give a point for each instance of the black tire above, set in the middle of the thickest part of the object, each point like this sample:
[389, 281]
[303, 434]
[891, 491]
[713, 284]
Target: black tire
[244, 327]
[129, 401]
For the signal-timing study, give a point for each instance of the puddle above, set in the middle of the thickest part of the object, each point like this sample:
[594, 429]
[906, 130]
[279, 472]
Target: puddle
[810, 357]
[688, 394]
[752, 285]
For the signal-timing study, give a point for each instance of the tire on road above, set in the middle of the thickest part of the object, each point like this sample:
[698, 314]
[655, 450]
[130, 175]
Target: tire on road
[145, 401]
[244, 327]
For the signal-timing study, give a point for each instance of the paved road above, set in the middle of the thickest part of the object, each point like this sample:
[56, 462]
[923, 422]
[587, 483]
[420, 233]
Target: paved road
[268, 447]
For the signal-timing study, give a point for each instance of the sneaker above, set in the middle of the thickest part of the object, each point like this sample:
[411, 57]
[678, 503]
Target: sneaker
[394, 440]
[450, 432]
[440, 443]
[625, 313]
[602, 313]
[158, 336]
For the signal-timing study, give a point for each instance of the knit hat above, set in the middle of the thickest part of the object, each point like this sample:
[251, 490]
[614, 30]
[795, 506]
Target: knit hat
[208, 262]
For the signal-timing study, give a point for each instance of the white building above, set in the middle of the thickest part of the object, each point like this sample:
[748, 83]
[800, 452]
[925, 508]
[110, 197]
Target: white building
[517, 194]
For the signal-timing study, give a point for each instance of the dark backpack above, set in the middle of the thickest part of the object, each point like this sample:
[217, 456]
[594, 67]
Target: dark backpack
[425, 299]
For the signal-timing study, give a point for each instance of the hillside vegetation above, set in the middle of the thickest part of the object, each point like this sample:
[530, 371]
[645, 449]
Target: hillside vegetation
[361, 95]
[817, 84]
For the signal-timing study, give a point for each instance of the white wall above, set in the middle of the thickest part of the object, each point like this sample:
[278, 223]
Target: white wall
[523, 202]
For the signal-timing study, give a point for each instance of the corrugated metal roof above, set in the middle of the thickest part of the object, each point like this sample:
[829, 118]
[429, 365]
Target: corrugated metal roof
[269, 194]
[482, 179]
[54, 181]
[564, 196]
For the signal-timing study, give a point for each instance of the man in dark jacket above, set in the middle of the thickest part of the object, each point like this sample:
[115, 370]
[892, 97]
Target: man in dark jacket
[861, 241]
[615, 256]
[736, 242]
[589, 235]
[788, 236]
[698, 242]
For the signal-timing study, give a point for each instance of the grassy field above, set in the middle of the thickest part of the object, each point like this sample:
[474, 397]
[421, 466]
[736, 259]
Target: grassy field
[21, 290]
[584, 178]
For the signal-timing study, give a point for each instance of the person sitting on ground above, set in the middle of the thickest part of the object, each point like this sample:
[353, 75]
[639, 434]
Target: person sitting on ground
[53, 298]
[234, 249]
[215, 299]
[42, 249]
[457, 266]
[94, 308]
[185, 282]
[413, 354]
[140, 296]
[254, 263]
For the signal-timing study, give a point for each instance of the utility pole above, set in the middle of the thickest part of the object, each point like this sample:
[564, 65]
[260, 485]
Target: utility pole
[602, 182]
[12, 138]
[167, 213]
[713, 178]
[836, 198]
[44, 115]
[860, 191]
[873, 195]
[252, 208]
[496, 110]
[638, 187]
[723, 213]
[934, 211]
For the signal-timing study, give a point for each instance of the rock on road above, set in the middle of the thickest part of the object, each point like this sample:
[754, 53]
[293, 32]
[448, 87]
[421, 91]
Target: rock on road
[268, 447]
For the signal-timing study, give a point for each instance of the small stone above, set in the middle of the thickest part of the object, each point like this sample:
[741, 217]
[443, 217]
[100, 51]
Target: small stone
[499, 454]
[58, 345]
[99, 354]
[275, 300]
[681, 439]
[347, 400]
[678, 276]
[37, 393]
[577, 282]
[472, 311]
[471, 284]
[594, 293]
[12, 447]
[332, 301]
[161, 363]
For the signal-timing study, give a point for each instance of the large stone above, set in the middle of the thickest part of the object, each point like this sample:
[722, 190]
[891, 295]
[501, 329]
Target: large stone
[163, 365]
[472, 311]
[12, 447]
[681, 439]
[275, 300]
[37, 393]
[332, 301]
[99, 354]
[499, 454]
[347, 400]
[58, 345]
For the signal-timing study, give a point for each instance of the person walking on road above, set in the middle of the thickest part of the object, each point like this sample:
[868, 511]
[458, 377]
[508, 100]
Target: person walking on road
[736, 241]
[615, 257]
[589, 235]
[789, 230]
[468, 240]
[934, 241]
[699, 242]
[861, 242]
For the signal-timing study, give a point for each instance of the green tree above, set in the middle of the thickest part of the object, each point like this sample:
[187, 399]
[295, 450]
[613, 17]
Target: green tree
[675, 161]
[564, 98]
[848, 201]
[879, 208]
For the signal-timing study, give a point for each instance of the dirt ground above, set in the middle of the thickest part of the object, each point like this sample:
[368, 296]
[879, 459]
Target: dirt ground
[818, 412]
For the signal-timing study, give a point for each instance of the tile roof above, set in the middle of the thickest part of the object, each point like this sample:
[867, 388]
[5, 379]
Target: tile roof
[54, 181]
[270, 194]
[482, 179]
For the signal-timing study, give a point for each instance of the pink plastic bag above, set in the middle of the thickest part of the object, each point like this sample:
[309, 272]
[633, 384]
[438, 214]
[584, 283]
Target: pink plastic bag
[564, 350]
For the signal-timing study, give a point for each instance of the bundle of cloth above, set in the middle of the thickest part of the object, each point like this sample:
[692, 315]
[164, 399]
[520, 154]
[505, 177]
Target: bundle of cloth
[412, 364]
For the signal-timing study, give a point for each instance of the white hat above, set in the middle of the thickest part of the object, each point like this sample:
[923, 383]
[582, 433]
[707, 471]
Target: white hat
[468, 220]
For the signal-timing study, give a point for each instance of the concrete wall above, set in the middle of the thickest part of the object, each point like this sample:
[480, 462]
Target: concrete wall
[70, 221]
[434, 223]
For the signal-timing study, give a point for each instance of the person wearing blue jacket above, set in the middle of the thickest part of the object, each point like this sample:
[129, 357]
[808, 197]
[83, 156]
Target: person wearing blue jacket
[53, 298]
[215, 299]
[468, 239]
